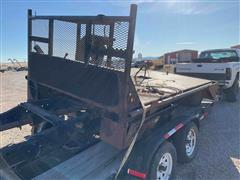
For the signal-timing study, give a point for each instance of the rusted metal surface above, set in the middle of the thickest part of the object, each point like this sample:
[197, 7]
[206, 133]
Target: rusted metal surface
[97, 74]
[88, 58]
[81, 89]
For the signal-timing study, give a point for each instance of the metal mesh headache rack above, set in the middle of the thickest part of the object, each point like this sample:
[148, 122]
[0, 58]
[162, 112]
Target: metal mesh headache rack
[87, 58]
[103, 41]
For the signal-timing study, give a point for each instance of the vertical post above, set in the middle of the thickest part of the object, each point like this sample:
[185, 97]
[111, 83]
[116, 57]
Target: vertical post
[29, 31]
[131, 31]
[87, 42]
[50, 37]
[111, 33]
[78, 43]
[29, 96]
[128, 59]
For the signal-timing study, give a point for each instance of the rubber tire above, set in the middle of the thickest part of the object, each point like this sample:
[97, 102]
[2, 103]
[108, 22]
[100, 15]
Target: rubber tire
[165, 147]
[180, 141]
[232, 92]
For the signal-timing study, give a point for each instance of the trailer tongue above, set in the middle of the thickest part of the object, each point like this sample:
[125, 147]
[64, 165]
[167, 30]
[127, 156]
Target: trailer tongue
[81, 90]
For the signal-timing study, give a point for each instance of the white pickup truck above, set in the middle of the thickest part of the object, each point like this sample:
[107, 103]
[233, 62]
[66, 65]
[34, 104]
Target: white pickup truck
[222, 65]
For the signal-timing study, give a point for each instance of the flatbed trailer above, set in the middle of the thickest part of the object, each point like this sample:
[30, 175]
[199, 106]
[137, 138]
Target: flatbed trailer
[91, 114]
[101, 160]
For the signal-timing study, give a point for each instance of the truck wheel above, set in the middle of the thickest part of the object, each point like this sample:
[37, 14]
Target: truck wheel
[186, 142]
[232, 92]
[164, 163]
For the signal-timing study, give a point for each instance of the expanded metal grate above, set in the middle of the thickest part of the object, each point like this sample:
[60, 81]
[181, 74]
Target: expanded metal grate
[64, 39]
[94, 43]
[120, 35]
[40, 28]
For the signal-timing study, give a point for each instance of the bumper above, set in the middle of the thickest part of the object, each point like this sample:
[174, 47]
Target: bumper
[209, 76]
[224, 84]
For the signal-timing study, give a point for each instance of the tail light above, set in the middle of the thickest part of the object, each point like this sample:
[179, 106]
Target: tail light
[137, 174]
[228, 73]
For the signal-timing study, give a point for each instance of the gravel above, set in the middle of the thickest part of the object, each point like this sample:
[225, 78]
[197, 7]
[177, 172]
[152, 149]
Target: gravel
[219, 146]
[13, 90]
[219, 137]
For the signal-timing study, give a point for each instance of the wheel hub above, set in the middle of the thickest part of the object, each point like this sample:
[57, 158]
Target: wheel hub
[191, 142]
[164, 168]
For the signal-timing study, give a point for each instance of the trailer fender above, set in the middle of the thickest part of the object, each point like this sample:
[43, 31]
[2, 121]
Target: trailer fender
[140, 160]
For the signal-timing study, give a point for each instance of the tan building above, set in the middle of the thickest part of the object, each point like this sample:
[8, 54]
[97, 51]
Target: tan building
[184, 55]
[236, 46]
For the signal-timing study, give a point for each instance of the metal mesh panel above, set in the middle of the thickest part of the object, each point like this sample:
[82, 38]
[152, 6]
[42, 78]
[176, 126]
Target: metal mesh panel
[100, 30]
[102, 45]
[83, 30]
[40, 28]
[99, 44]
[39, 47]
[120, 35]
[118, 63]
[81, 42]
[102, 42]
[64, 39]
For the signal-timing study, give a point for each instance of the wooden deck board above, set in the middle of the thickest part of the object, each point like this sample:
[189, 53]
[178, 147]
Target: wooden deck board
[174, 80]
[168, 83]
[83, 165]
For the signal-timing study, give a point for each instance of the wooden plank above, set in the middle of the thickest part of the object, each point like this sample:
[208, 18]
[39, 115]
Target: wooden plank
[84, 164]
[162, 79]
[168, 84]
[107, 171]
[5, 171]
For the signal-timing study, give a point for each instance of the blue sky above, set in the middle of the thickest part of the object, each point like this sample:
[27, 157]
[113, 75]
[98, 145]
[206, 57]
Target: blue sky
[162, 26]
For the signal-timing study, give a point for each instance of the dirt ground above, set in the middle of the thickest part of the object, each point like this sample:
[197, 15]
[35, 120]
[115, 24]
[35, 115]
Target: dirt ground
[13, 90]
[9, 64]
[219, 146]
[219, 151]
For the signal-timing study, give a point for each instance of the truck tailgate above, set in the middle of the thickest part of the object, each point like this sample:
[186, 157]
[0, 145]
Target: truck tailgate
[213, 71]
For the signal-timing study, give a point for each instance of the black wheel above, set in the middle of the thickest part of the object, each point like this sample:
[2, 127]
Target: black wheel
[186, 143]
[163, 163]
[232, 92]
